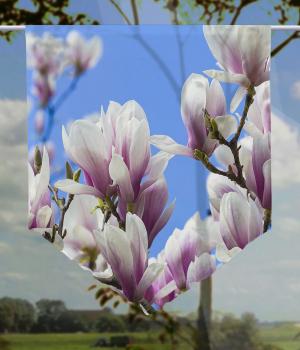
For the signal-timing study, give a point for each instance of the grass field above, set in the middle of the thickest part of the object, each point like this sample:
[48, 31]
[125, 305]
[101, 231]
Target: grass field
[76, 342]
[282, 335]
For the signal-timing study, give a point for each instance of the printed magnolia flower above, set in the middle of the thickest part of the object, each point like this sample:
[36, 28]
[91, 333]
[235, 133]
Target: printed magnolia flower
[114, 154]
[127, 254]
[113, 151]
[45, 54]
[187, 254]
[163, 289]
[82, 54]
[258, 170]
[243, 53]
[40, 210]
[259, 116]
[150, 206]
[217, 186]
[196, 98]
[241, 220]
[80, 242]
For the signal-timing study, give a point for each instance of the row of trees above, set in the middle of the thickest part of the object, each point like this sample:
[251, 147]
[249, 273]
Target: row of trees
[20, 316]
[52, 316]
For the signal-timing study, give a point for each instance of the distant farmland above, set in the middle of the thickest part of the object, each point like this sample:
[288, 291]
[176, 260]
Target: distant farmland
[284, 335]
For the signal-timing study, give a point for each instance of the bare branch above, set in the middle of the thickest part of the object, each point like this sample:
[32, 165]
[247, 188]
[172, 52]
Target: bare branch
[121, 12]
[282, 45]
[239, 9]
[135, 12]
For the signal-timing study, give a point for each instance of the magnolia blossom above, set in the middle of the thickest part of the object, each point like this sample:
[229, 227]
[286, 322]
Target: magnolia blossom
[259, 115]
[40, 210]
[241, 220]
[80, 243]
[217, 186]
[45, 56]
[163, 289]
[258, 170]
[114, 154]
[243, 54]
[82, 54]
[187, 254]
[45, 53]
[150, 206]
[127, 254]
[197, 97]
[113, 151]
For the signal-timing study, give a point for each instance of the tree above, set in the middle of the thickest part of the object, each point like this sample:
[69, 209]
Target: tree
[48, 313]
[231, 333]
[69, 323]
[110, 323]
[16, 315]
[46, 12]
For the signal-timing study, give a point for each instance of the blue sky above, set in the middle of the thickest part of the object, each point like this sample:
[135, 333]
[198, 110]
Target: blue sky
[126, 71]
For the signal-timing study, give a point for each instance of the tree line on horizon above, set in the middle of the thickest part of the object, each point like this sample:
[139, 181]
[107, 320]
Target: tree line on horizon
[52, 316]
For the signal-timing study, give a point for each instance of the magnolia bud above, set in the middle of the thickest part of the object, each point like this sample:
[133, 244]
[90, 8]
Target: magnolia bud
[37, 160]
[69, 171]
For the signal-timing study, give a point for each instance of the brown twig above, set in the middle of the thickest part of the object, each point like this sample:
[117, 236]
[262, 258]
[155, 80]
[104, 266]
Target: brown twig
[121, 12]
[63, 207]
[239, 9]
[267, 219]
[278, 48]
[232, 144]
[135, 12]
[284, 43]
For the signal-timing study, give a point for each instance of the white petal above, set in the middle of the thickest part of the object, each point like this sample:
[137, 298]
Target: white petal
[224, 255]
[137, 235]
[158, 164]
[120, 175]
[163, 219]
[73, 187]
[224, 155]
[43, 216]
[227, 125]
[203, 267]
[150, 275]
[215, 100]
[228, 77]
[237, 98]
[167, 144]
[166, 290]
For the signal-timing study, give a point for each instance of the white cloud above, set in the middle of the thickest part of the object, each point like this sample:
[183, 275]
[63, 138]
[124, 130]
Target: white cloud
[13, 171]
[295, 90]
[285, 153]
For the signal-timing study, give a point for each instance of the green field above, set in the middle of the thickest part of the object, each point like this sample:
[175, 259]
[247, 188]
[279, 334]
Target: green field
[76, 342]
[281, 335]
